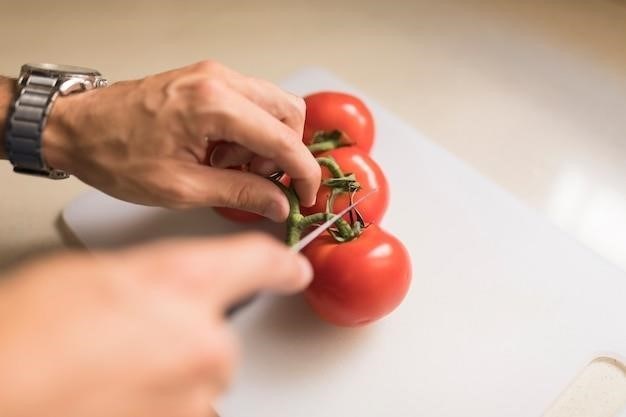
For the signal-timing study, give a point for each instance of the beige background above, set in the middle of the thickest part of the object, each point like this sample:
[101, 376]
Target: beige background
[530, 93]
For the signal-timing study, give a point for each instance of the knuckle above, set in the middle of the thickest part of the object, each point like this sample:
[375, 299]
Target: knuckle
[315, 173]
[300, 106]
[240, 195]
[288, 141]
[208, 89]
[177, 201]
[177, 194]
[295, 113]
[216, 354]
[208, 66]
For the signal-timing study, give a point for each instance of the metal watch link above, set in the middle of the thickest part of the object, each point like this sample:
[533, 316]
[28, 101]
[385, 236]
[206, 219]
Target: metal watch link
[39, 85]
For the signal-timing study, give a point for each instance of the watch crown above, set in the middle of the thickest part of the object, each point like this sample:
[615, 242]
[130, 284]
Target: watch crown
[101, 83]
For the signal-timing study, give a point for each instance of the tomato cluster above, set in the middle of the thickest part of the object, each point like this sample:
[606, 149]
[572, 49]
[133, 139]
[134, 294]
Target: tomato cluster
[362, 272]
[361, 280]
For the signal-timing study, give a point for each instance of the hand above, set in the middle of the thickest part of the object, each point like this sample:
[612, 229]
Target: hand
[135, 333]
[146, 141]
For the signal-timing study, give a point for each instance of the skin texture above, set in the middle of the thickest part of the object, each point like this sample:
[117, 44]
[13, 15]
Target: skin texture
[135, 333]
[353, 160]
[242, 216]
[359, 281]
[7, 92]
[329, 110]
[140, 332]
[146, 141]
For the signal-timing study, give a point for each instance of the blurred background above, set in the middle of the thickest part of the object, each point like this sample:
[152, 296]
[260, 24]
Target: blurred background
[530, 93]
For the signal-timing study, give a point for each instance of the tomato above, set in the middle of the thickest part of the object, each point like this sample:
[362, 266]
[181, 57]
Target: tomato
[352, 160]
[359, 281]
[239, 216]
[328, 111]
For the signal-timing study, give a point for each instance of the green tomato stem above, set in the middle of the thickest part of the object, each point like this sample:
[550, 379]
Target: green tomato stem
[297, 223]
[327, 140]
[332, 166]
[313, 219]
[327, 145]
[294, 231]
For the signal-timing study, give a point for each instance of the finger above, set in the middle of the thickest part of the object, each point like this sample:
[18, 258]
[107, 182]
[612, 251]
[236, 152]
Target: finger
[210, 146]
[228, 155]
[281, 104]
[195, 185]
[269, 266]
[229, 269]
[265, 136]
[262, 166]
[287, 107]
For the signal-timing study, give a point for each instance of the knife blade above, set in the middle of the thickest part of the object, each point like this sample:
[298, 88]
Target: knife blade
[328, 223]
[302, 244]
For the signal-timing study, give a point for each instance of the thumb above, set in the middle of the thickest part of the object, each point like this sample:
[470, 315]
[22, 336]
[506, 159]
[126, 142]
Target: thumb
[234, 189]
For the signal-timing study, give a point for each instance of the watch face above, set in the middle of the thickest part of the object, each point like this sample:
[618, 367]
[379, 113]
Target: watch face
[59, 69]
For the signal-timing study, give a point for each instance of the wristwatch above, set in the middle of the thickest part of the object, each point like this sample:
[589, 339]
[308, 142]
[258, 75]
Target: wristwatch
[39, 86]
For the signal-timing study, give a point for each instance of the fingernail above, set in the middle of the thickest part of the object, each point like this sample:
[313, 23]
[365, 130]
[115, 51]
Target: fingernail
[311, 202]
[214, 158]
[306, 270]
[276, 212]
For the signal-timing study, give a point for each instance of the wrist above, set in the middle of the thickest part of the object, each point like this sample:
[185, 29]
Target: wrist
[8, 90]
[57, 137]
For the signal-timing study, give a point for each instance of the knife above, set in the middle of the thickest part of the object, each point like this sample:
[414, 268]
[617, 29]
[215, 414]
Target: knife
[305, 241]
[328, 223]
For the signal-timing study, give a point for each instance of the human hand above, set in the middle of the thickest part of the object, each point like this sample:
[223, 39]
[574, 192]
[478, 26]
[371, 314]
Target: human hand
[134, 333]
[146, 141]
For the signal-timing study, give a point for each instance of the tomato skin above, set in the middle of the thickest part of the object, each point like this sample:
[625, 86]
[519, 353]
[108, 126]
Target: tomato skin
[330, 110]
[360, 281]
[353, 160]
[239, 216]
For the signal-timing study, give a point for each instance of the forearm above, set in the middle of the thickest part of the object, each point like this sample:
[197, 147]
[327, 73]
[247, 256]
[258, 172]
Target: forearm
[8, 89]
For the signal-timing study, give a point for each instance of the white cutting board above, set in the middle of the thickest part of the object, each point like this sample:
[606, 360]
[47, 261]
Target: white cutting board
[504, 309]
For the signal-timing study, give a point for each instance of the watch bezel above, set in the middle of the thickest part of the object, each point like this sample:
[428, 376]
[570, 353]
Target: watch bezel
[59, 69]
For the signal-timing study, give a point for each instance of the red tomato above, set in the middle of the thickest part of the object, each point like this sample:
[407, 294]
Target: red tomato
[328, 111]
[359, 281]
[352, 160]
[239, 216]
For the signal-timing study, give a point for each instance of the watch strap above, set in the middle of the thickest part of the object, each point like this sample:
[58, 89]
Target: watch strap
[25, 125]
